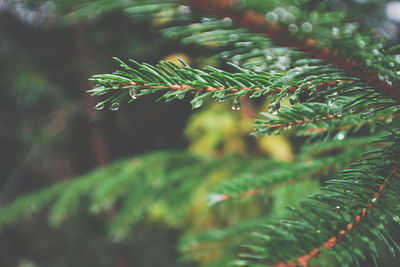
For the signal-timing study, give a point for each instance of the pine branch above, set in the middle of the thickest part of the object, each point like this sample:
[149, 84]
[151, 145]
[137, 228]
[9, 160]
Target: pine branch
[308, 165]
[262, 56]
[27, 205]
[280, 34]
[361, 199]
[316, 118]
[194, 246]
[137, 184]
[178, 81]
[332, 242]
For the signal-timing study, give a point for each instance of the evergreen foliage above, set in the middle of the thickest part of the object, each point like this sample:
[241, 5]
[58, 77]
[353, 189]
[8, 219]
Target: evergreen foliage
[325, 79]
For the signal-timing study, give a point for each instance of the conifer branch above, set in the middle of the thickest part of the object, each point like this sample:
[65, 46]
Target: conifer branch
[303, 260]
[313, 118]
[306, 166]
[348, 127]
[329, 217]
[176, 81]
[280, 34]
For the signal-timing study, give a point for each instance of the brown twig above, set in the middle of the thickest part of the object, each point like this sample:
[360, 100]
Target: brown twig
[280, 35]
[346, 127]
[303, 260]
[177, 87]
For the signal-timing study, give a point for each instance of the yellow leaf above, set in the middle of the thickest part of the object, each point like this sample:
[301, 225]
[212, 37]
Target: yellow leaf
[276, 146]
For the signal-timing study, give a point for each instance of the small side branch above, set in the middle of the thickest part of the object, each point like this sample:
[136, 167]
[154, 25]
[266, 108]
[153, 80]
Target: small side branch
[280, 35]
[304, 260]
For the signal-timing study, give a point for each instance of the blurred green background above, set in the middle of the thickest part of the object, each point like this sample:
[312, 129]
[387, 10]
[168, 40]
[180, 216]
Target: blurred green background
[50, 132]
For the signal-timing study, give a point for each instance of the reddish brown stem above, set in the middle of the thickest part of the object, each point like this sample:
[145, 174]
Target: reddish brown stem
[177, 87]
[346, 127]
[304, 260]
[300, 122]
[280, 35]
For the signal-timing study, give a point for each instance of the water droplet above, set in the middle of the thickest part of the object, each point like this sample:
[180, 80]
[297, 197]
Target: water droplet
[283, 59]
[332, 99]
[205, 20]
[220, 100]
[374, 200]
[383, 78]
[338, 114]
[307, 27]
[99, 106]
[233, 37]
[318, 231]
[337, 207]
[274, 108]
[293, 28]
[236, 105]
[281, 12]
[393, 11]
[271, 16]
[366, 116]
[330, 103]
[197, 103]
[215, 198]
[227, 20]
[293, 100]
[375, 52]
[348, 33]
[281, 67]
[289, 18]
[114, 106]
[340, 136]
[335, 32]
[133, 93]
[183, 9]
[361, 44]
